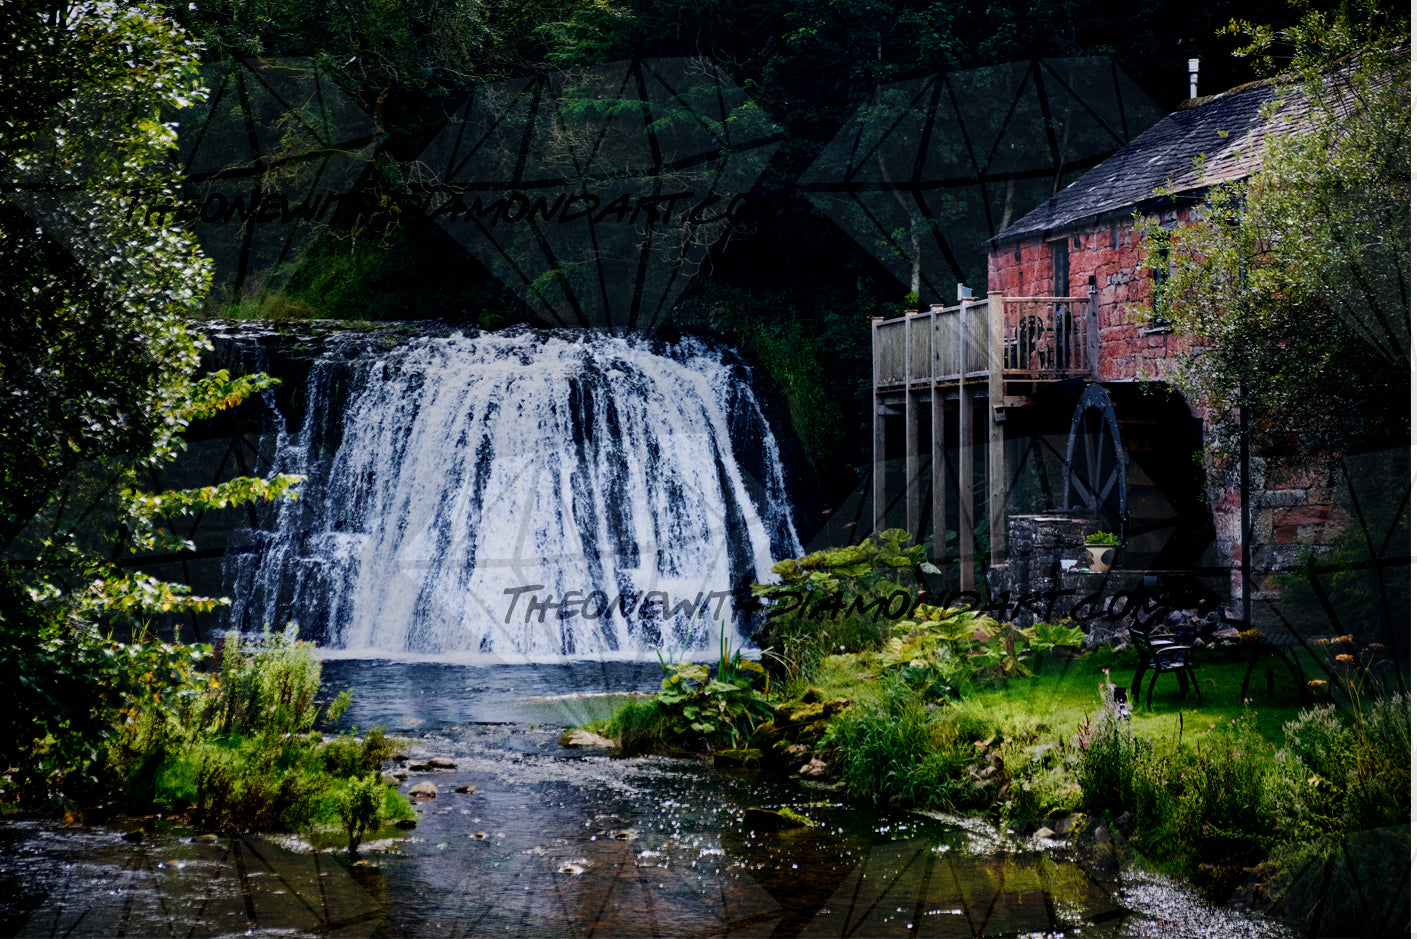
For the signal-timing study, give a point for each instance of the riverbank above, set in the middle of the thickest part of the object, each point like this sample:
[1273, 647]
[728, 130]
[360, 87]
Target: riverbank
[1261, 802]
[578, 843]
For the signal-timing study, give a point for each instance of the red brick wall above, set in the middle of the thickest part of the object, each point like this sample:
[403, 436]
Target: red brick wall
[1130, 347]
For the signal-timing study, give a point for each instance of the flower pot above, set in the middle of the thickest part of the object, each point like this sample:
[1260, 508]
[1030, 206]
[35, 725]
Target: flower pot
[1102, 557]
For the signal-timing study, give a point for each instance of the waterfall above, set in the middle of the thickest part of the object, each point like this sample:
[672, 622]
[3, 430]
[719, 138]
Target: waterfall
[524, 495]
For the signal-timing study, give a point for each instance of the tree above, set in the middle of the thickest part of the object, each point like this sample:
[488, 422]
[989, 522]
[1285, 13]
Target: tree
[96, 375]
[1296, 284]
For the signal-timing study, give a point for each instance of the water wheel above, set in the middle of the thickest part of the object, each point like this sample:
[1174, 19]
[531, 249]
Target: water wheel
[1095, 472]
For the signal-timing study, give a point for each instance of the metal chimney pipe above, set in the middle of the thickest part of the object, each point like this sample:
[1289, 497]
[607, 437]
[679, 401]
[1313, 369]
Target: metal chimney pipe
[1194, 65]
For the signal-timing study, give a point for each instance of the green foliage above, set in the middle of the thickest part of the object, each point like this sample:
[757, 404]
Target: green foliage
[637, 727]
[832, 595]
[239, 754]
[1233, 798]
[360, 807]
[1102, 538]
[862, 569]
[944, 652]
[96, 364]
[1109, 756]
[92, 346]
[1295, 284]
[70, 690]
[1354, 773]
[267, 685]
[1226, 808]
[1048, 636]
[909, 752]
[721, 711]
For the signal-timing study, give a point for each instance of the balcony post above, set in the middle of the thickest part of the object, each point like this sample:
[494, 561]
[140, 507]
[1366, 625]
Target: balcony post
[912, 435]
[878, 433]
[938, 475]
[997, 493]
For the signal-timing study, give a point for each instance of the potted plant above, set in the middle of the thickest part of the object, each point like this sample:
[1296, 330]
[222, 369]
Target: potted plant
[1101, 550]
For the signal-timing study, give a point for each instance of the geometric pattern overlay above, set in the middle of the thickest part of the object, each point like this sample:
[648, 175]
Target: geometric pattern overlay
[593, 194]
[931, 168]
[267, 159]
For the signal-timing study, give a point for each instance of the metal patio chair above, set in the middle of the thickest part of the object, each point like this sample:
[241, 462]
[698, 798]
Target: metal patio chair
[1160, 654]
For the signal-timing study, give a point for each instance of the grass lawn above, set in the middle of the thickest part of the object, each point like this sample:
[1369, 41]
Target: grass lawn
[1063, 692]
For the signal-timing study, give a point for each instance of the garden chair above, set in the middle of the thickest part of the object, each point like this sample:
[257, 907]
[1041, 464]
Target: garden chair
[1160, 654]
[1030, 336]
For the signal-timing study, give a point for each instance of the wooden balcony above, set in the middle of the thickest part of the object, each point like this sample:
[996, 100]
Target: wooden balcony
[1011, 339]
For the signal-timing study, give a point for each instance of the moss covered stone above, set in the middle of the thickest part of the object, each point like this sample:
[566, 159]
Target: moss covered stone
[783, 819]
[739, 757]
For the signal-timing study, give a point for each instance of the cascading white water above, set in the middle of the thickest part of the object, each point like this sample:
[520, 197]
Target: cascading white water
[521, 495]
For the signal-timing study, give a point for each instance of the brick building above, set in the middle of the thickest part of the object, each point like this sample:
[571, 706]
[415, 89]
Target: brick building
[1085, 241]
[1052, 395]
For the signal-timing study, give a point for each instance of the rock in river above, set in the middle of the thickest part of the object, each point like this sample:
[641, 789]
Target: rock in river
[584, 738]
[756, 819]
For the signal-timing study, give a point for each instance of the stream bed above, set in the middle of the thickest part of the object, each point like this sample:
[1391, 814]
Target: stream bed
[557, 842]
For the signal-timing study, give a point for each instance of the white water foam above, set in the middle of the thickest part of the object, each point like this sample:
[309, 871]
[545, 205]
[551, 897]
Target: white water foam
[464, 470]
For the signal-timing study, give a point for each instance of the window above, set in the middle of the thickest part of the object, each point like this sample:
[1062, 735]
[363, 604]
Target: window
[1060, 268]
[1159, 276]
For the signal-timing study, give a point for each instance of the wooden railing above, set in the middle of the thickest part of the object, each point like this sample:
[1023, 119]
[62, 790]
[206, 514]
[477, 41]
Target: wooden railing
[1016, 338]
[1044, 337]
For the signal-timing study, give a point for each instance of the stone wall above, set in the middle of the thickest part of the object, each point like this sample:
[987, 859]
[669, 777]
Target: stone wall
[1037, 544]
[1033, 586]
[1291, 510]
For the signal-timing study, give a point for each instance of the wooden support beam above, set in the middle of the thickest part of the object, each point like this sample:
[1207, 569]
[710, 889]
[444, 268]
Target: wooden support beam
[939, 474]
[997, 484]
[878, 433]
[912, 440]
[966, 468]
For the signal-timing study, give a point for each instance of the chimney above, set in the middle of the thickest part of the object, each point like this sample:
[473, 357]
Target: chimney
[1194, 65]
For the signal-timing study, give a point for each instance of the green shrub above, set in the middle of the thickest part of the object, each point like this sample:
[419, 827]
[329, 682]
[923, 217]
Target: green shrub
[1380, 781]
[910, 752]
[721, 711]
[637, 727]
[75, 696]
[360, 806]
[1226, 811]
[268, 685]
[242, 786]
[1108, 758]
[833, 599]
[1356, 770]
[240, 753]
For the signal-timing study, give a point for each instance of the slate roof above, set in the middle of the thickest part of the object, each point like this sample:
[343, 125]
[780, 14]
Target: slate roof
[1228, 128]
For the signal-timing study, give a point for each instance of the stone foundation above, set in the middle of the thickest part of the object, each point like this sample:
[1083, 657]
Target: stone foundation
[1037, 546]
